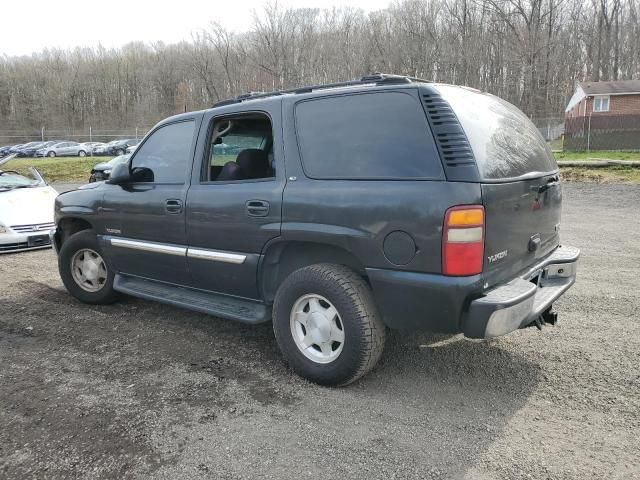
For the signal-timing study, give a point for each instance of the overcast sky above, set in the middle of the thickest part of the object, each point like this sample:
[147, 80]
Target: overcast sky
[29, 26]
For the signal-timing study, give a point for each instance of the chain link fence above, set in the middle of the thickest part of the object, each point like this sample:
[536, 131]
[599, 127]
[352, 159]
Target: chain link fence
[595, 132]
[551, 128]
[602, 132]
[9, 137]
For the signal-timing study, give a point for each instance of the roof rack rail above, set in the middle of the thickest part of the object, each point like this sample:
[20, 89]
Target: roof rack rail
[375, 78]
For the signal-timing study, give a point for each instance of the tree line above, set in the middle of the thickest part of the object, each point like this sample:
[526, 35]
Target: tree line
[530, 52]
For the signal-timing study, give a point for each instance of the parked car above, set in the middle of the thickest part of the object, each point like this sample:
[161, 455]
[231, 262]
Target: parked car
[104, 148]
[63, 149]
[14, 150]
[4, 151]
[26, 211]
[28, 145]
[102, 170]
[405, 204]
[30, 149]
[90, 147]
[119, 147]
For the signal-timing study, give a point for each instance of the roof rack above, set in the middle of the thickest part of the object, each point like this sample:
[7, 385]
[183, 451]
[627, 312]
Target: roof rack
[376, 79]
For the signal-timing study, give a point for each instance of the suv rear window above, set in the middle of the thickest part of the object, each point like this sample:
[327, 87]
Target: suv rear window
[383, 135]
[505, 142]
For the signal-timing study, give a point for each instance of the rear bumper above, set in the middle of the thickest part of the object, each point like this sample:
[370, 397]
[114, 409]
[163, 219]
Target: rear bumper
[524, 299]
[412, 301]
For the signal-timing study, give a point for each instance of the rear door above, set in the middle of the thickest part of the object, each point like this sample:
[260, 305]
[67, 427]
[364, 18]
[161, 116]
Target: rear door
[72, 148]
[61, 148]
[230, 221]
[520, 184]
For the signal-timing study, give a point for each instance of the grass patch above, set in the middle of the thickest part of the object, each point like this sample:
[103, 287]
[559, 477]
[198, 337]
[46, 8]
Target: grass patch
[598, 155]
[611, 174]
[58, 169]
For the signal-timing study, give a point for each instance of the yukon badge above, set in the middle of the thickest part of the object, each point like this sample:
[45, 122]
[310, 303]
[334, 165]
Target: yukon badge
[497, 256]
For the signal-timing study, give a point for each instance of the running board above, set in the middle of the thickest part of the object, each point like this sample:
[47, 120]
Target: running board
[232, 308]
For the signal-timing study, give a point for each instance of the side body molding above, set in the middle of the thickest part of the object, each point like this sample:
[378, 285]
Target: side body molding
[182, 251]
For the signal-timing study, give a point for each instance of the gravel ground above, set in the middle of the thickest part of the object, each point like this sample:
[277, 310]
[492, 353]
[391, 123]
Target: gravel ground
[142, 390]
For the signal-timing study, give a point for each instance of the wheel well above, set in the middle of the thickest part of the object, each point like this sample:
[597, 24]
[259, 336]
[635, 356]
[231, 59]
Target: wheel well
[68, 226]
[284, 258]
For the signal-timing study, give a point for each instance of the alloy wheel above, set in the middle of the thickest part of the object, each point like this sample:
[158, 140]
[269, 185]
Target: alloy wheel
[88, 270]
[317, 329]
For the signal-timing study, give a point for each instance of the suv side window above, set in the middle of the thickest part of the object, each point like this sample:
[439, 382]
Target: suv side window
[383, 135]
[240, 149]
[166, 153]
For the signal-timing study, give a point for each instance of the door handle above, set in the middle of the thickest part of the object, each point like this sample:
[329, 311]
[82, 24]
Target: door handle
[257, 208]
[173, 205]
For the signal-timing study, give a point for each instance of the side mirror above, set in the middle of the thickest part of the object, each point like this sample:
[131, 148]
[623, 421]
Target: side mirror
[120, 174]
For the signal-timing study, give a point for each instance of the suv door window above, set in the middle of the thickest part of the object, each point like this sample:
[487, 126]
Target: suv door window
[382, 135]
[165, 154]
[240, 149]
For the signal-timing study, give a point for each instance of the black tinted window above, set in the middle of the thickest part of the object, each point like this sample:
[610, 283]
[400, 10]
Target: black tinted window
[505, 142]
[167, 152]
[374, 135]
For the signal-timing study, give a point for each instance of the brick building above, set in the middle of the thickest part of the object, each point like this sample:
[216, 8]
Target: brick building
[603, 116]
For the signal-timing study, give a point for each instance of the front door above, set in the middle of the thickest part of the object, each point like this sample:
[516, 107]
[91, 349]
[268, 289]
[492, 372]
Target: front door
[234, 205]
[145, 219]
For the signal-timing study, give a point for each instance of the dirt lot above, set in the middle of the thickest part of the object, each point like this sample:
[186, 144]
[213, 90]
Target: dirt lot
[141, 390]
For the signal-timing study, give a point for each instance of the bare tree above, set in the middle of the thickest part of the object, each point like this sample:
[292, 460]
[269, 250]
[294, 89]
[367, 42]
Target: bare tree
[530, 52]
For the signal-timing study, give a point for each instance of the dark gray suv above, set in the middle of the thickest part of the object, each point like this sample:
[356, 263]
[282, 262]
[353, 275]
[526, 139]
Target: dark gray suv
[337, 211]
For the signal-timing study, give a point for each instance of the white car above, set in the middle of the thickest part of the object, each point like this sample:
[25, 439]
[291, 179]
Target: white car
[26, 211]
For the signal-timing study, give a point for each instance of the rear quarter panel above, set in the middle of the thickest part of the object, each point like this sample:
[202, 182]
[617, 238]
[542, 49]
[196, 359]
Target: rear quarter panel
[357, 215]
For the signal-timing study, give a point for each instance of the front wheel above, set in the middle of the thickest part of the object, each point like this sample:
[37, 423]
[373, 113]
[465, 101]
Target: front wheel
[327, 325]
[51, 154]
[119, 152]
[84, 271]
[82, 153]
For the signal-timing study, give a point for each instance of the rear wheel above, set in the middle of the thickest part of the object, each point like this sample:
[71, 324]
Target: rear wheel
[82, 153]
[119, 152]
[51, 154]
[84, 271]
[327, 325]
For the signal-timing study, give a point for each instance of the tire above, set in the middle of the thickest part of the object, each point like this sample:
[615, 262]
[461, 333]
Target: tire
[363, 332]
[51, 154]
[92, 179]
[82, 153]
[119, 152]
[85, 242]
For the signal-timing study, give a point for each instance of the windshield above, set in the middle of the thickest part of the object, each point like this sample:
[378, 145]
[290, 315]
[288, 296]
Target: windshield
[505, 142]
[10, 180]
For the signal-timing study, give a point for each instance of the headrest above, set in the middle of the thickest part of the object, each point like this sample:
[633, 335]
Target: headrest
[254, 163]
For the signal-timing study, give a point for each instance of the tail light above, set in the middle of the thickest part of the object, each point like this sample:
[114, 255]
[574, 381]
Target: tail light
[463, 240]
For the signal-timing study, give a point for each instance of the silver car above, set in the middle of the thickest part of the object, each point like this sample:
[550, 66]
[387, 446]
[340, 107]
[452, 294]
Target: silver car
[63, 149]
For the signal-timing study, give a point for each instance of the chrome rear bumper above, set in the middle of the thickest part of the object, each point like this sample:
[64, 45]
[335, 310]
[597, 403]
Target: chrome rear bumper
[524, 299]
